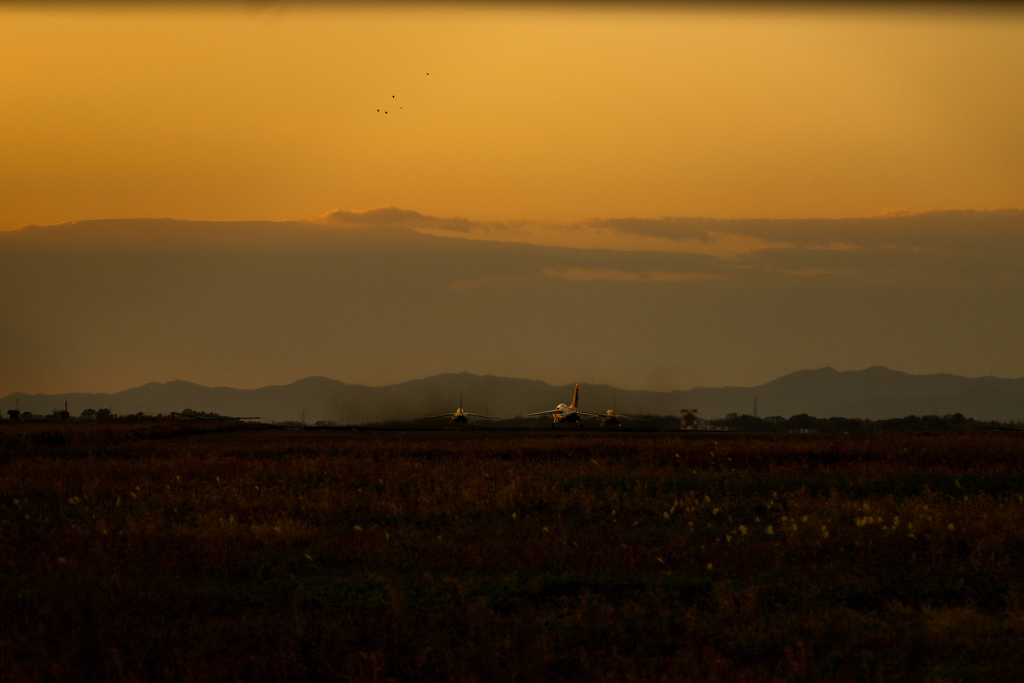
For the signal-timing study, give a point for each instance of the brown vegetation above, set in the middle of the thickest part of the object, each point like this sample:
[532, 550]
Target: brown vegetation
[168, 551]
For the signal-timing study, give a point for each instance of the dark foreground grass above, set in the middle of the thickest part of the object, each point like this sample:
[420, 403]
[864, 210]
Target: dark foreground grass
[148, 552]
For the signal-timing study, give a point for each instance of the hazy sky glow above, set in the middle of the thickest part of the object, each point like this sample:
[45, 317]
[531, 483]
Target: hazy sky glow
[702, 164]
[389, 295]
[542, 113]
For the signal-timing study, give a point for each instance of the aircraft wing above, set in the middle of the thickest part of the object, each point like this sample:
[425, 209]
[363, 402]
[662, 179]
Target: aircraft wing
[546, 412]
[435, 417]
[486, 417]
[605, 416]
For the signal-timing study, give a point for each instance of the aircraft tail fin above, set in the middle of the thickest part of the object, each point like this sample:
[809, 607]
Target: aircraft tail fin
[575, 397]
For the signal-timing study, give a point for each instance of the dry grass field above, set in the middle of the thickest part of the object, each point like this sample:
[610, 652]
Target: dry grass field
[164, 551]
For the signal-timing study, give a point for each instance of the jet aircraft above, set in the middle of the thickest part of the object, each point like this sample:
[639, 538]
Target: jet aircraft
[460, 416]
[611, 418]
[566, 413]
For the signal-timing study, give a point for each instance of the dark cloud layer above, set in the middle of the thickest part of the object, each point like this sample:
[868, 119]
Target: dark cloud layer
[667, 227]
[368, 297]
[936, 246]
[390, 216]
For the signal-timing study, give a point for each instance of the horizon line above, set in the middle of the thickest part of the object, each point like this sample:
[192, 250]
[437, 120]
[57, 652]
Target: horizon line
[525, 379]
[323, 220]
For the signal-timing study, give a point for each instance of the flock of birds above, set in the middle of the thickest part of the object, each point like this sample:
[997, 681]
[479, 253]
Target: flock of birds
[393, 97]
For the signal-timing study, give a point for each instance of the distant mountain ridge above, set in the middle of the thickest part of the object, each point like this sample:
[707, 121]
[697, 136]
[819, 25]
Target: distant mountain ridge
[874, 393]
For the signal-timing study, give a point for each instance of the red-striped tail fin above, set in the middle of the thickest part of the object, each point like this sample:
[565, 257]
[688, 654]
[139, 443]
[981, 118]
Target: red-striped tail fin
[575, 397]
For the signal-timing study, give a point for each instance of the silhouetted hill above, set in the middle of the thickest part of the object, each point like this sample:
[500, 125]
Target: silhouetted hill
[980, 401]
[881, 393]
[875, 393]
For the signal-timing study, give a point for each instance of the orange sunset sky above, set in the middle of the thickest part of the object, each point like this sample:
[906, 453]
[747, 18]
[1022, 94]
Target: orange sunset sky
[269, 111]
[748, 190]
